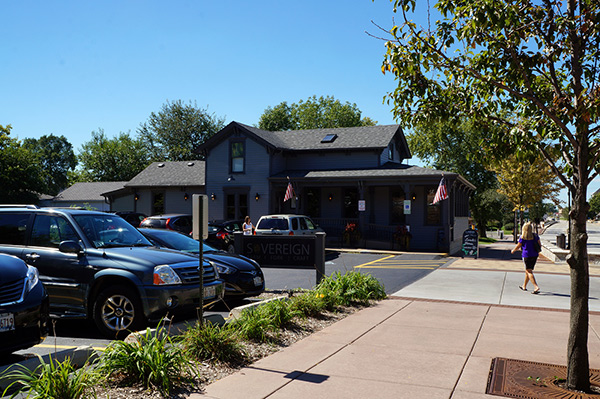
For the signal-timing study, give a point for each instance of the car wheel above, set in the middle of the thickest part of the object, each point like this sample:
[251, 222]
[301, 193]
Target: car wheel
[118, 311]
[231, 248]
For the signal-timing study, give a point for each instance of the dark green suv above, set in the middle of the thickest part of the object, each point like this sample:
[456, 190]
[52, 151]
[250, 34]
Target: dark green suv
[96, 265]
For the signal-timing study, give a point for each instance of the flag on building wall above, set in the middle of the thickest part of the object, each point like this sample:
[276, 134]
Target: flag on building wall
[441, 193]
[289, 192]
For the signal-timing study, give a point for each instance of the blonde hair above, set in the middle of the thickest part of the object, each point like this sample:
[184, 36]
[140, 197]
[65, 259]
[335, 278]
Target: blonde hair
[527, 232]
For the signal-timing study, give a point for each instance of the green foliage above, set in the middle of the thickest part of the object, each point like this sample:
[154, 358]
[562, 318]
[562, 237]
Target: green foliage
[21, 175]
[56, 157]
[308, 304]
[595, 204]
[209, 342]
[253, 325]
[154, 361]
[51, 380]
[111, 159]
[314, 113]
[350, 288]
[174, 132]
[280, 313]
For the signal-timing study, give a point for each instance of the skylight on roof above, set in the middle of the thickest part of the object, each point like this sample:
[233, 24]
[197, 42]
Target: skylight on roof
[330, 138]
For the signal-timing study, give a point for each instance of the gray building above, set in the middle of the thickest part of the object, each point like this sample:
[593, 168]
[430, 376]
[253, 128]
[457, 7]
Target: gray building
[339, 177]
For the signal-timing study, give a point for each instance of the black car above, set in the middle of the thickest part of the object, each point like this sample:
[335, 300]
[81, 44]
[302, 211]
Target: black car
[135, 218]
[175, 222]
[220, 234]
[97, 266]
[243, 276]
[24, 306]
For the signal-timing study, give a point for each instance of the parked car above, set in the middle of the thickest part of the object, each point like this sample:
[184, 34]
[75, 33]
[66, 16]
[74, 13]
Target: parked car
[220, 234]
[135, 218]
[243, 276]
[23, 306]
[176, 222]
[96, 265]
[286, 225]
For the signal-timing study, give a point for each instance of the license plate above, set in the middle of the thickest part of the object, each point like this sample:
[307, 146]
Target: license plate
[258, 281]
[210, 292]
[7, 322]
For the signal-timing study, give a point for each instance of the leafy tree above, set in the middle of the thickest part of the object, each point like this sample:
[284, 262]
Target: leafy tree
[314, 113]
[454, 146]
[531, 68]
[595, 205]
[21, 176]
[106, 159]
[56, 156]
[176, 130]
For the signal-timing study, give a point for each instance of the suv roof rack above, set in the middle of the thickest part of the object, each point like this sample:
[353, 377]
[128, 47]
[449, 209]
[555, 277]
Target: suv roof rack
[19, 206]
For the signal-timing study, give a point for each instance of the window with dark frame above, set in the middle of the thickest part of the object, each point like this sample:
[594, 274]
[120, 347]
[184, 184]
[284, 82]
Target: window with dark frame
[237, 157]
[398, 217]
[434, 211]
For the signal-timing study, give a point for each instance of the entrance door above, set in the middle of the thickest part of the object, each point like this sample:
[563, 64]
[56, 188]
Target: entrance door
[236, 205]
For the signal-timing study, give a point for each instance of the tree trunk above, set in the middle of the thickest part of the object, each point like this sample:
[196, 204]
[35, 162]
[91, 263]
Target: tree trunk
[578, 377]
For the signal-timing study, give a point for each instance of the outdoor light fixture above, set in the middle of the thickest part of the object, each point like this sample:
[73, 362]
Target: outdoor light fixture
[257, 196]
[330, 197]
[136, 197]
[186, 196]
[213, 196]
[414, 196]
[230, 178]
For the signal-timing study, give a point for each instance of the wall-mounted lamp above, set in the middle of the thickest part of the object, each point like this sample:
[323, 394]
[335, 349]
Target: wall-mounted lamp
[257, 196]
[186, 196]
[136, 196]
[414, 196]
[230, 178]
[213, 197]
[330, 198]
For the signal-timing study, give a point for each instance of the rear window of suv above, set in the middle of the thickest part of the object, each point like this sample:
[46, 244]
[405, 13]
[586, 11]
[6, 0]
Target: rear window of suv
[277, 224]
[13, 228]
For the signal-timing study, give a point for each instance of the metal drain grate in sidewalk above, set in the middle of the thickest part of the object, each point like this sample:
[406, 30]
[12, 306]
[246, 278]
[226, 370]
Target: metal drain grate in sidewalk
[530, 380]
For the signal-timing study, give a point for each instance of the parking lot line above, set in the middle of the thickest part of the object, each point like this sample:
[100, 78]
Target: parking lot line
[389, 263]
[97, 348]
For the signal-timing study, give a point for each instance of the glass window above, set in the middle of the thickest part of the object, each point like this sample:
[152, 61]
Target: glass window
[237, 157]
[294, 223]
[313, 202]
[50, 231]
[351, 203]
[230, 206]
[158, 204]
[13, 228]
[391, 151]
[303, 224]
[434, 211]
[398, 216]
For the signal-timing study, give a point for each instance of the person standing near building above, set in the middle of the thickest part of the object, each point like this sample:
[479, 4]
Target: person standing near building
[528, 244]
[247, 226]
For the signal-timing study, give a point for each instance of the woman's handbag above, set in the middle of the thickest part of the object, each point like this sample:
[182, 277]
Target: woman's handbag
[537, 244]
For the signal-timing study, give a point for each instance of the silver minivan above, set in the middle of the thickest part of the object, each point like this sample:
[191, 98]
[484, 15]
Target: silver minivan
[286, 225]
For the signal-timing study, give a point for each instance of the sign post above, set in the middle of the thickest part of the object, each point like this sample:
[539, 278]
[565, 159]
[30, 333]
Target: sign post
[200, 233]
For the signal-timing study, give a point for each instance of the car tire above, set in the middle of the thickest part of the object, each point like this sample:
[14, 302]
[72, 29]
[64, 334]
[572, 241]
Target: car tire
[231, 248]
[118, 311]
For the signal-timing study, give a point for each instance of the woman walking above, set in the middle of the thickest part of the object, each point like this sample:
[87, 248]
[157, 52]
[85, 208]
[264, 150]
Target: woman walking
[529, 253]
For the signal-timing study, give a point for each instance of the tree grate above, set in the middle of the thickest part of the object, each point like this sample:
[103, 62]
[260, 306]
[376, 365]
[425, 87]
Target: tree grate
[531, 380]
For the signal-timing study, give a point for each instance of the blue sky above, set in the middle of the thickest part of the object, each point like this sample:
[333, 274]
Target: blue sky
[73, 67]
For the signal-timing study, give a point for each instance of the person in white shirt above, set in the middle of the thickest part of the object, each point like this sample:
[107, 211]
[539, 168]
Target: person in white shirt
[247, 226]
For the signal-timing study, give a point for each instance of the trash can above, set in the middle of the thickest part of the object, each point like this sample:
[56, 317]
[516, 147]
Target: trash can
[560, 241]
[500, 234]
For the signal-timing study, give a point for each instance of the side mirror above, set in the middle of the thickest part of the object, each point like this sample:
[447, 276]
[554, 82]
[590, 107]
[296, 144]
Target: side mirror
[70, 247]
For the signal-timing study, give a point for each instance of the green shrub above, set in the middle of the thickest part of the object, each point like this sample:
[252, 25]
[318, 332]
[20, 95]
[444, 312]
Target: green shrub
[279, 312]
[211, 342]
[154, 361]
[349, 288]
[509, 226]
[51, 380]
[308, 304]
[253, 325]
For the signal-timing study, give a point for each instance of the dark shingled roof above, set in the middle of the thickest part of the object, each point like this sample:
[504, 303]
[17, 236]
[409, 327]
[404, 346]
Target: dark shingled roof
[88, 191]
[348, 138]
[168, 174]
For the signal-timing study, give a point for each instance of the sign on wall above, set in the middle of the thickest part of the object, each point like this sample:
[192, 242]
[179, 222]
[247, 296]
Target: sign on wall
[407, 207]
[362, 205]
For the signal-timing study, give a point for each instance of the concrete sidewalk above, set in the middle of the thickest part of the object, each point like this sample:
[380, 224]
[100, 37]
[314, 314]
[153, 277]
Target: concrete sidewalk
[433, 339]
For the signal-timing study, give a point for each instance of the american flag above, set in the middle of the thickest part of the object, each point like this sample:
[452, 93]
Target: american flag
[289, 192]
[441, 193]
